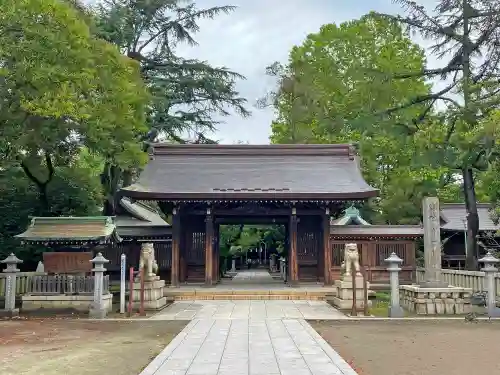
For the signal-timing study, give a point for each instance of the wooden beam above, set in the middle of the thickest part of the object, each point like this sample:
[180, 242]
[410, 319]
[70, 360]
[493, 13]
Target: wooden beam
[209, 248]
[176, 243]
[327, 251]
[293, 261]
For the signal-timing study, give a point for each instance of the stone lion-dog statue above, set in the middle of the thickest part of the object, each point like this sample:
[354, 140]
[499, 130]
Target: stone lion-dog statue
[351, 257]
[148, 261]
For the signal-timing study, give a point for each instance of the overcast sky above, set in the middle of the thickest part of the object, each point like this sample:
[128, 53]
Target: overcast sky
[258, 33]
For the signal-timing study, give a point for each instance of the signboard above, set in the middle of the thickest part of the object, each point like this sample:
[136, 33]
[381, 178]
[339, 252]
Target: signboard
[66, 262]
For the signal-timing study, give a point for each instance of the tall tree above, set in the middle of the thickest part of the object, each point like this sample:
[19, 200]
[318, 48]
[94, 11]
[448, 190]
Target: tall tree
[330, 93]
[187, 94]
[466, 35]
[61, 88]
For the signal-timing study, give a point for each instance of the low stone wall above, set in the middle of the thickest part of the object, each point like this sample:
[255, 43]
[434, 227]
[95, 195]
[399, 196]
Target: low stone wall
[435, 301]
[474, 280]
[63, 302]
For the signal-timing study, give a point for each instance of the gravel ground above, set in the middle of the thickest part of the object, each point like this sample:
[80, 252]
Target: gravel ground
[416, 347]
[81, 347]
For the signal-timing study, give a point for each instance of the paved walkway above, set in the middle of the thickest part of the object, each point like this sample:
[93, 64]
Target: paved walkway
[248, 347]
[249, 309]
[257, 276]
[248, 337]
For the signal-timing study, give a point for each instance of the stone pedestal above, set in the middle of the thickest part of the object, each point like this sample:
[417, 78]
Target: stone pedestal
[435, 301]
[153, 294]
[343, 299]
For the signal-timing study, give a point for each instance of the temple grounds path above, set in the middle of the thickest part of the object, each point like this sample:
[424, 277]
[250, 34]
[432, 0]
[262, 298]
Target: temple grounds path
[82, 347]
[415, 347]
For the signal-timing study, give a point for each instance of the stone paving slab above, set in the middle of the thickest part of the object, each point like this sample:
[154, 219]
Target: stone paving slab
[249, 309]
[248, 347]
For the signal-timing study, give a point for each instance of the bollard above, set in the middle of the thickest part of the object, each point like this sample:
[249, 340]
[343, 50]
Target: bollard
[10, 285]
[97, 308]
[123, 265]
[489, 270]
[395, 310]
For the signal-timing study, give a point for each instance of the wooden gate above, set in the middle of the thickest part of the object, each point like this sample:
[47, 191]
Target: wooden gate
[193, 253]
[309, 240]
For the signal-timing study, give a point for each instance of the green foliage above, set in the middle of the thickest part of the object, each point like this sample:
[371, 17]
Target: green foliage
[236, 240]
[186, 93]
[333, 91]
[61, 89]
[74, 191]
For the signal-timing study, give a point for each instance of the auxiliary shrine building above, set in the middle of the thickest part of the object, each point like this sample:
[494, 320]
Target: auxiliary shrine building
[302, 187]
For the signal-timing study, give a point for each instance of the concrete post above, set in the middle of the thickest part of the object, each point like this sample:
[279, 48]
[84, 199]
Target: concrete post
[489, 270]
[10, 284]
[395, 310]
[123, 267]
[97, 308]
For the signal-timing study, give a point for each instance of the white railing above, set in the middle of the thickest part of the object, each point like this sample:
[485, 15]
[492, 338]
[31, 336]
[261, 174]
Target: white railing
[464, 279]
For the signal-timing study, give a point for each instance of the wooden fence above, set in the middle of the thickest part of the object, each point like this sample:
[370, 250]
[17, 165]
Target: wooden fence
[64, 284]
[465, 279]
[23, 279]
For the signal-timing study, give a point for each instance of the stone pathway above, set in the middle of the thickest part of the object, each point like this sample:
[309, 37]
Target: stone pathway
[249, 309]
[248, 347]
[257, 276]
[248, 337]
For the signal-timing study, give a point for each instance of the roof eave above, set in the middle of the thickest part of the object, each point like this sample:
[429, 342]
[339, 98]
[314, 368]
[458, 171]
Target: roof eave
[138, 194]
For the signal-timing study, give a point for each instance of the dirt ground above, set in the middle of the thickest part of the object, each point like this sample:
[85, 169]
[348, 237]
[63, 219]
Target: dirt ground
[411, 348]
[79, 347]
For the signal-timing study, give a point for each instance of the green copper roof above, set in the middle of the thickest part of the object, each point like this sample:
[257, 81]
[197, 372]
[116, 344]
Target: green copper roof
[71, 229]
[351, 216]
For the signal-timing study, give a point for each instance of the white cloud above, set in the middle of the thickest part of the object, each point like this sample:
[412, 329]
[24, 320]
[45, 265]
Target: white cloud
[260, 32]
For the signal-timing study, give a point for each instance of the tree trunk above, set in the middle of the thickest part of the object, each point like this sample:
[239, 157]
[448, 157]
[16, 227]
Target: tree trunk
[472, 220]
[41, 185]
[110, 180]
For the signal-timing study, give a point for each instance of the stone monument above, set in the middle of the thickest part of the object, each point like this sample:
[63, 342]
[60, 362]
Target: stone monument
[154, 298]
[433, 295]
[345, 289]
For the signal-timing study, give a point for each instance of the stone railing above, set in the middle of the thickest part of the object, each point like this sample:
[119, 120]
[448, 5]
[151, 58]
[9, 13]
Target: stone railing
[64, 284]
[465, 279]
[23, 280]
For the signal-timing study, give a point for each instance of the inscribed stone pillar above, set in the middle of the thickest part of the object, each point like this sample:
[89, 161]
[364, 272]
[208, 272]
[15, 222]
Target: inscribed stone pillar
[97, 308]
[432, 244]
[10, 284]
[176, 239]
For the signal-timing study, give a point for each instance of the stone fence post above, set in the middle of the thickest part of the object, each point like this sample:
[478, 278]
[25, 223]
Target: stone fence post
[97, 308]
[395, 310]
[489, 270]
[10, 284]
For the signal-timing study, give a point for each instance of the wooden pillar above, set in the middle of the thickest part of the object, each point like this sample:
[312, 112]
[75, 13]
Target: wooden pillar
[216, 254]
[176, 244]
[209, 248]
[327, 251]
[292, 258]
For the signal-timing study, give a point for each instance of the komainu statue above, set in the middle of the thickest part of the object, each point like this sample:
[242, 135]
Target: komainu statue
[148, 261]
[351, 257]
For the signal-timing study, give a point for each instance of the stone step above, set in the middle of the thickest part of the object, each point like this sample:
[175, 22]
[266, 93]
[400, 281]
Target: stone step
[236, 294]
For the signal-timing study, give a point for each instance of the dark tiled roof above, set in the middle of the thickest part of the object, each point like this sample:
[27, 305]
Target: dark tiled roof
[140, 221]
[401, 231]
[70, 229]
[307, 172]
[454, 214]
